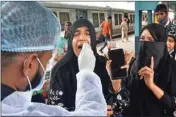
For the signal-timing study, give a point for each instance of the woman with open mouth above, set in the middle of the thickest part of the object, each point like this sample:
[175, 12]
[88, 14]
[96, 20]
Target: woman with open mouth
[63, 76]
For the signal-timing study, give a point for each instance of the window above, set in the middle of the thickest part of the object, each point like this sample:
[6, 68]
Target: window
[64, 16]
[95, 20]
[116, 19]
[131, 18]
[102, 17]
[120, 19]
[81, 14]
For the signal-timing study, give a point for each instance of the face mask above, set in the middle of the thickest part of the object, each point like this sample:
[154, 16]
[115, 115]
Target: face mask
[38, 80]
[163, 21]
[149, 49]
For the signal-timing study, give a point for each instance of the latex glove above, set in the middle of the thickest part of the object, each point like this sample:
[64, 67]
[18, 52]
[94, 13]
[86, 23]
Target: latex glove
[86, 58]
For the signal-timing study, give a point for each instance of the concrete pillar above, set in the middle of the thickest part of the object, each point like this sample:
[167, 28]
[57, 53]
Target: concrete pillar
[138, 27]
[139, 7]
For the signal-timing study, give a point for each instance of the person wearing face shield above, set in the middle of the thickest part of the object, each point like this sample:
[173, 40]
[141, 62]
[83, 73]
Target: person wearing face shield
[63, 76]
[28, 33]
[152, 76]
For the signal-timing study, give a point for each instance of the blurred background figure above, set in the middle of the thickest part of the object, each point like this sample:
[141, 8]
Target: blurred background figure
[61, 43]
[99, 35]
[171, 41]
[107, 32]
[60, 46]
[161, 13]
[124, 30]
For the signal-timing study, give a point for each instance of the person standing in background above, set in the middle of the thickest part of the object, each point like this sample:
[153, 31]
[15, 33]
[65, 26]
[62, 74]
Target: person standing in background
[161, 13]
[171, 41]
[128, 22]
[124, 30]
[107, 32]
[61, 44]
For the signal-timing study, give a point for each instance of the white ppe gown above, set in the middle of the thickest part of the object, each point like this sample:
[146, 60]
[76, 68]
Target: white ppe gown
[89, 101]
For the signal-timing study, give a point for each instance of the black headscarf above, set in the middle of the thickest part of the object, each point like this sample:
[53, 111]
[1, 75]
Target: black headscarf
[70, 55]
[63, 75]
[160, 34]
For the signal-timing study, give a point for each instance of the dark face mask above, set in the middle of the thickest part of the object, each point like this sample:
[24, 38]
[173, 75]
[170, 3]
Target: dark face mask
[35, 81]
[149, 49]
[163, 21]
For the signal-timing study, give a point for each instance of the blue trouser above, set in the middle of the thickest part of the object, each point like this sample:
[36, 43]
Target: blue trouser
[105, 44]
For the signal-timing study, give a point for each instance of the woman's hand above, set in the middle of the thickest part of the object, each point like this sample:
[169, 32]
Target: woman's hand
[128, 57]
[108, 67]
[147, 74]
[58, 58]
[109, 111]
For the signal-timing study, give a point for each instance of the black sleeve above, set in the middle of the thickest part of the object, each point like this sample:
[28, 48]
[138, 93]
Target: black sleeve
[121, 100]
[100, 70]
[131, 73]
[56, 90]
[168, 100]
[105, 80]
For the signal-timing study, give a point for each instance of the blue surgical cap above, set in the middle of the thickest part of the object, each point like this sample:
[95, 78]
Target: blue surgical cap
[28, 27]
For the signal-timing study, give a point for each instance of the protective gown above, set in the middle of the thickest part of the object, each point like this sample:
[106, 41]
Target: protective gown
[89, 100]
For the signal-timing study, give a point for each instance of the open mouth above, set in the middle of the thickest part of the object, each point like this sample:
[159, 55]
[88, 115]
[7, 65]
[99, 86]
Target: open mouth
[80, 47]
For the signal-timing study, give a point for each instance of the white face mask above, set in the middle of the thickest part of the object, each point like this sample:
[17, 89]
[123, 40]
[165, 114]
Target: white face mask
[22, 99]
[40, 85]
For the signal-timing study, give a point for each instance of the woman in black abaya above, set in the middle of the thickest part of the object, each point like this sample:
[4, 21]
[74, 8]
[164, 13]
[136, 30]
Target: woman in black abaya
[152, 82]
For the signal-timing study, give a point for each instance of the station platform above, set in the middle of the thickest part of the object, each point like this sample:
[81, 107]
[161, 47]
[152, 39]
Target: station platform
[127, 46]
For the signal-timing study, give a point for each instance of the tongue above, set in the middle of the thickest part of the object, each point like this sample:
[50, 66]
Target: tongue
[80, 47]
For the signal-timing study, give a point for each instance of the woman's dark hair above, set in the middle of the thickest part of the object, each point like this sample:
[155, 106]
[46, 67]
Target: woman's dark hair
[161, 7]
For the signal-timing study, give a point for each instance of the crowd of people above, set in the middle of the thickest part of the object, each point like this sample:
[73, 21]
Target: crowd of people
[46, 72]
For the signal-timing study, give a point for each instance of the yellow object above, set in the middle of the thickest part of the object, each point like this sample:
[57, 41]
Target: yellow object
[156, 21]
